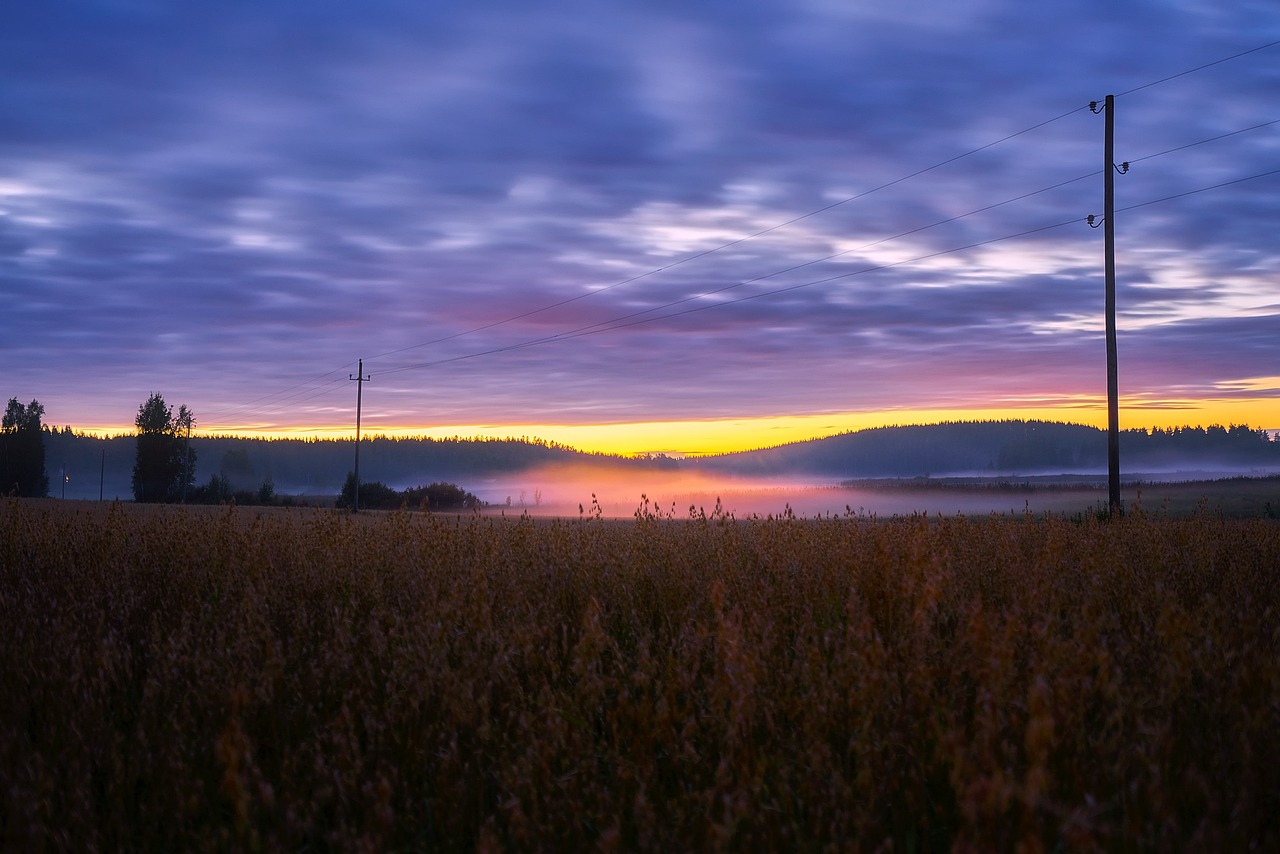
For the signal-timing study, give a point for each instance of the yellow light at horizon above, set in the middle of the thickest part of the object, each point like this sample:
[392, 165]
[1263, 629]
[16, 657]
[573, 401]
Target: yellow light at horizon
[701, 437]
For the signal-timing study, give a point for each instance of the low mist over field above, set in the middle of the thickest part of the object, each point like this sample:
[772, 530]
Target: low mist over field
[570, 492]
[612, 493]
[970, 468]
[575, 490]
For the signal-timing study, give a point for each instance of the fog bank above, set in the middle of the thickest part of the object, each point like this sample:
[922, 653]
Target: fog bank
[615, 494]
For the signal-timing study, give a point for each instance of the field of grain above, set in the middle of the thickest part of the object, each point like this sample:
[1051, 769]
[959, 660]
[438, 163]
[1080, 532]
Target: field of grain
[215, 679]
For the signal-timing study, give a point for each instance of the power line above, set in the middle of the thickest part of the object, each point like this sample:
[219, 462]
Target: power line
[282, 403]
[1201, 190]
[294, 400]
[1198, 68]
[1203, 141]
[229, 412]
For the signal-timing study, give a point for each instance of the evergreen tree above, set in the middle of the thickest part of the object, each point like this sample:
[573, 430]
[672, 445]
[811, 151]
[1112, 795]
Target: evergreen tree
[22, 450]
[163, 463]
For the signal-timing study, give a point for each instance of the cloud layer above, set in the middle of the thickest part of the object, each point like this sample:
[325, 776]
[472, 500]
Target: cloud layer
[576, 214]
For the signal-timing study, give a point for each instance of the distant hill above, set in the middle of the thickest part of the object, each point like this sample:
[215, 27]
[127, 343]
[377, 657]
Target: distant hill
[319, 467]
[1000, 447]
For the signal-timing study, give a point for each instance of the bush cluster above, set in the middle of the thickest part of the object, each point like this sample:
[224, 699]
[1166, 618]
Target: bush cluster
[378, 496]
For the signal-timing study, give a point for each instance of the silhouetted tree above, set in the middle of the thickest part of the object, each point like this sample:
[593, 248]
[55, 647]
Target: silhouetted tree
[22, 450]
[161, 466]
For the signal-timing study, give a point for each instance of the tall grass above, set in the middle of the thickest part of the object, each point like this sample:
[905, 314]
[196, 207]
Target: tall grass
[213, 679]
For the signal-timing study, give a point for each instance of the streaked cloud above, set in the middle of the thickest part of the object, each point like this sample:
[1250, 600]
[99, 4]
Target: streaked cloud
[588, 215]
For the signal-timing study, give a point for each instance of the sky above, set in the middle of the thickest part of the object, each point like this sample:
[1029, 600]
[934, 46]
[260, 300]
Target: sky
[637, 226]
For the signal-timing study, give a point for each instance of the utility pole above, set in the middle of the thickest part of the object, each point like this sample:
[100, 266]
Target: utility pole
[1109, 168]
[102, 473]
[186, 453]
[360, 379]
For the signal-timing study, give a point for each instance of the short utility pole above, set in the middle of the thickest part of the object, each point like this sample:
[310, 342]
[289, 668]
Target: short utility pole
[359, 379]
[1109, 250]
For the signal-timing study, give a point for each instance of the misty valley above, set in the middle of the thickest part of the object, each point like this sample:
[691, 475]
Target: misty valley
[941, 469]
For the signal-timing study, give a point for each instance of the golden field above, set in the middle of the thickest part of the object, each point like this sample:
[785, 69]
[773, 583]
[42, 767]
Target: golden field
[234, 679]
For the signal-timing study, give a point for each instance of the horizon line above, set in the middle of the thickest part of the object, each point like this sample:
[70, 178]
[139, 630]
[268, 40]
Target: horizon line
[488, 433]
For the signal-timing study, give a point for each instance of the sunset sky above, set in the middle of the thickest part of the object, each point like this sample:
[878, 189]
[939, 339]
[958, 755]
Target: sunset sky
[638, 226]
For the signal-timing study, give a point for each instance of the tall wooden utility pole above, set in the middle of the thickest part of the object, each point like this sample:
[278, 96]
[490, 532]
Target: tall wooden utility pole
[1109, 168]
[360, 379]
[185, 415]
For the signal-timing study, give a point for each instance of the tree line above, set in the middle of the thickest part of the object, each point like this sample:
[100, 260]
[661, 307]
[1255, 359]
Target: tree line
[159, 463]
[163, 468]
[22, 469]
[1001, 447]
[164, 464]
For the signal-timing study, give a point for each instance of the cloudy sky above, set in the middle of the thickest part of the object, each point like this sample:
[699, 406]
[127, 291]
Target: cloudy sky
[731, 224]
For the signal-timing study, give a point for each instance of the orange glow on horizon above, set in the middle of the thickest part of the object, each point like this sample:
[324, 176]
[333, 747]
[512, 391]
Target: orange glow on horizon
[702, 437]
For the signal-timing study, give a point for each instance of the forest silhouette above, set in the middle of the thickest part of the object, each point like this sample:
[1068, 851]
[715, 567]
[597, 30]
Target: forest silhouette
[319, 467]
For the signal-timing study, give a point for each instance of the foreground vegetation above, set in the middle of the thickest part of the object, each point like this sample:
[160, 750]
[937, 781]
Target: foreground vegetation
[215, 678]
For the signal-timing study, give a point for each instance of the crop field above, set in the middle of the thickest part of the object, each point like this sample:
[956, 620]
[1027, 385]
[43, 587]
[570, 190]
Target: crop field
[235, 679]
[1239, 497]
